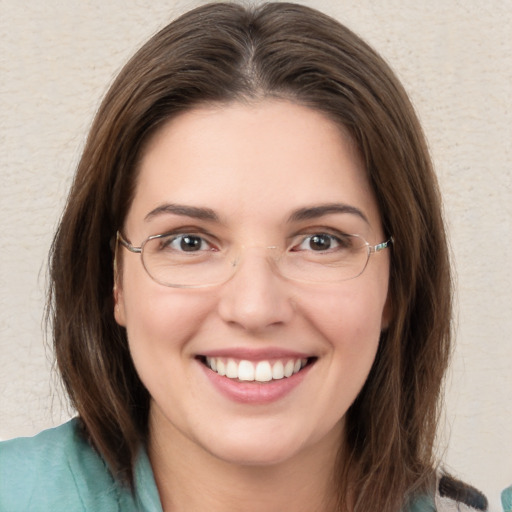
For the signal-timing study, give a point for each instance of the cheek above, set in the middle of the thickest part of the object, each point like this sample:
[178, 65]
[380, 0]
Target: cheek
[350, 324]
[350, 315]
[162, 319]
[158, 319]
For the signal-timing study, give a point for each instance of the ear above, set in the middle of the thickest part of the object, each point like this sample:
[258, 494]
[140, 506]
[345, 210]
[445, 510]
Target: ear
[387, 313]
[119, 309]
[117, 291]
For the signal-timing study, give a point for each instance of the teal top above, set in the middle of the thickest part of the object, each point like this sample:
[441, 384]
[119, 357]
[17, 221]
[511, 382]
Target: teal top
[59, 471]
[506, 499]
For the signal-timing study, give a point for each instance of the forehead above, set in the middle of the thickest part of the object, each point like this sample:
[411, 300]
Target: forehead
[269, 157]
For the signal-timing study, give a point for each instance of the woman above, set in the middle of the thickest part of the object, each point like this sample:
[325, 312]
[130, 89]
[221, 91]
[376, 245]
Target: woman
[250, 292]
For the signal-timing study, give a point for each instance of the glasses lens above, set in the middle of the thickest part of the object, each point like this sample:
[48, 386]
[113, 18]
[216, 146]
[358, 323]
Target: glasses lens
[326, 259]
[184, 260]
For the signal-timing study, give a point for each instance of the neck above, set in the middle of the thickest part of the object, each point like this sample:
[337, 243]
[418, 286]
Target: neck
[190, 478]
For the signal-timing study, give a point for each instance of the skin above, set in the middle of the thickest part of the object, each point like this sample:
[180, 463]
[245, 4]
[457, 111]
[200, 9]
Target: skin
[253, 165]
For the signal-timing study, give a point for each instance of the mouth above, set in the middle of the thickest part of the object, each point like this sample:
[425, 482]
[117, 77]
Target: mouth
[243, 370]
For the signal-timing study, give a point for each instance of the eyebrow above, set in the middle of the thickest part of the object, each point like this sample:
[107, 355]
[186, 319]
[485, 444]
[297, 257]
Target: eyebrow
[183, 210]
[301, 214]
[313, 212]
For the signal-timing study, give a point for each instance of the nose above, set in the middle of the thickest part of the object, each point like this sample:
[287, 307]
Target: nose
[256, 297]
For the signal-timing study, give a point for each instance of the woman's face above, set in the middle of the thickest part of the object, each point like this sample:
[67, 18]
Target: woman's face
[257, 176]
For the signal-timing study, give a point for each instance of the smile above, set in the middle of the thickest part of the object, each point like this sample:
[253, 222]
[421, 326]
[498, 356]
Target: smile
[261, 371]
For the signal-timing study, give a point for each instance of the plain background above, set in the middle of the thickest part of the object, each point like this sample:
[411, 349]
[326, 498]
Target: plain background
[455, 59]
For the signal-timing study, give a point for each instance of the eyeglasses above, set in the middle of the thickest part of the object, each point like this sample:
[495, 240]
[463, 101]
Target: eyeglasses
[189, 260]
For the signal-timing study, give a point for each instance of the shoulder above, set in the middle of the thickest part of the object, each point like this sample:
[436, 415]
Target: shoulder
[56, 470]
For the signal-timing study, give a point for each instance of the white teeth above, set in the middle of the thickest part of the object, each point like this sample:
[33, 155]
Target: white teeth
[245, 370]
[232, 370]
[221, 367]
[278, 370]
[288, 368]
[263, 371]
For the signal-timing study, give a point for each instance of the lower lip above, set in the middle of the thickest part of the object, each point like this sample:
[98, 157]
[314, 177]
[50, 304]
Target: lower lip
[255, 393]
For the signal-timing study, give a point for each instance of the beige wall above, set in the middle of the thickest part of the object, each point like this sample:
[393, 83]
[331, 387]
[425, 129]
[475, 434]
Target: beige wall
[455, 58]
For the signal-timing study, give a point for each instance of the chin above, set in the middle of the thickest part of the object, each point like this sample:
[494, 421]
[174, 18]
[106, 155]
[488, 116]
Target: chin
[269, 446]
[261, 455]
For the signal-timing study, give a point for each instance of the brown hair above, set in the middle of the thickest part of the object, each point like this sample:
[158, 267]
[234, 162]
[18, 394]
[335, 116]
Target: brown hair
[225, 52]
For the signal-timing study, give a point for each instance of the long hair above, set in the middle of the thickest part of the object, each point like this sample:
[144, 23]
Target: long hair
[224, 53]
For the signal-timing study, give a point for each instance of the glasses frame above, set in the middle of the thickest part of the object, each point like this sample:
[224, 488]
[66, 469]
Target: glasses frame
[139, 250]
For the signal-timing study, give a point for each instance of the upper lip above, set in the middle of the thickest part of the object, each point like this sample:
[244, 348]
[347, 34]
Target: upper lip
[251, 354]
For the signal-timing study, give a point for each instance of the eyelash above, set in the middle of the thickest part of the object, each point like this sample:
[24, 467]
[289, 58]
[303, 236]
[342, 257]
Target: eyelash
[338, 240]
[170, 237]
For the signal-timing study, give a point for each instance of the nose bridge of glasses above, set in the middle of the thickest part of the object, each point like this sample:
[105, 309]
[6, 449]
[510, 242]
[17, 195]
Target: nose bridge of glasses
[271, 253]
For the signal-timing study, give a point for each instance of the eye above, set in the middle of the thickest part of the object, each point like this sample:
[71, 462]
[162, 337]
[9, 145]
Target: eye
[319, 242]
[187, 242]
